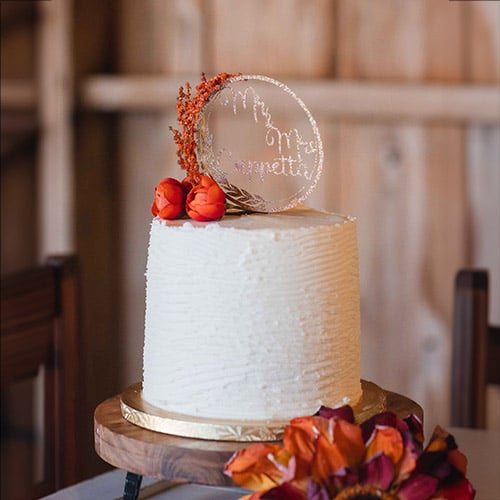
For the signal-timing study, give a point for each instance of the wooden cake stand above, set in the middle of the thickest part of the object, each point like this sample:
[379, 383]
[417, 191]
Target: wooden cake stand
[142, 452]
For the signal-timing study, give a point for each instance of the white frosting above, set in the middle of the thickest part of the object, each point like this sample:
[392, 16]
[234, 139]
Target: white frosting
[253, 317]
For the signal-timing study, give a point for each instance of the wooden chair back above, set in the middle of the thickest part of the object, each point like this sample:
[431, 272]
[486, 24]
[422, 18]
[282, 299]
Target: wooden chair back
[476, 350]
[39, 328]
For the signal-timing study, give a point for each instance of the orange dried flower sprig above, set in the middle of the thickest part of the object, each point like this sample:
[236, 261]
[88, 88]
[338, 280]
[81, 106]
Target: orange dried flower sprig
[188, 114]
[197, 195]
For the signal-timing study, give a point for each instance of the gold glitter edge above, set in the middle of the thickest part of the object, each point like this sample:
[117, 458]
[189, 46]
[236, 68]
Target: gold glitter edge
[139, 412]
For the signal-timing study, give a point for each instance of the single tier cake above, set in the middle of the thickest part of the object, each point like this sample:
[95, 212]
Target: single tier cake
[253, 317]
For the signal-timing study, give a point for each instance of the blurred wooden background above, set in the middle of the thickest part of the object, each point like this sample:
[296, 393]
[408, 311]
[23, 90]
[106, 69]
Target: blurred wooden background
[406, 96]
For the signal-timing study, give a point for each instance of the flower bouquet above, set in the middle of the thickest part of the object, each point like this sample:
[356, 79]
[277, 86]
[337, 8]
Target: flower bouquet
[328, 456]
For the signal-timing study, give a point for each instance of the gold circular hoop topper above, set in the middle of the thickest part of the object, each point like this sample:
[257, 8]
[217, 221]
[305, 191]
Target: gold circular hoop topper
[258, 140]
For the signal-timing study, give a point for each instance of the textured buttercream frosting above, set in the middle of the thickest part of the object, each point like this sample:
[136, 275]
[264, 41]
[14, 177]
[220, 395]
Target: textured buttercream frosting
[253, 317]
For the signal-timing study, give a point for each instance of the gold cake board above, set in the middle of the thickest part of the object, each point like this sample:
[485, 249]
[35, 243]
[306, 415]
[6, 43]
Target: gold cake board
[141, 451]
[143, 414]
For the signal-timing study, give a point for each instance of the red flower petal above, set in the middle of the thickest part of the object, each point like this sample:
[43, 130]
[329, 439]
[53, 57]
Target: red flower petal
[205, 201]
[343, 478]
[316, 491]
[344, 412]
[388, 418]
[462, 490]
[285, 491]
[416, 428]
[169, 199]
[378, 472]
[418, 487]
[188, 183]
[408, 462]
[458, 460]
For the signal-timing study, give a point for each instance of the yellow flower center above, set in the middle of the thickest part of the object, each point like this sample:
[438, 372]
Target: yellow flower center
[358, 492]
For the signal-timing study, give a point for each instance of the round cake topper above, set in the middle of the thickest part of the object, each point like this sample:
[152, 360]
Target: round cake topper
[260, 143]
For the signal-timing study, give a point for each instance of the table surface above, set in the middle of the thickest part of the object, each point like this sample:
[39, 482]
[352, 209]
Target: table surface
[109, 486]
[134, 449]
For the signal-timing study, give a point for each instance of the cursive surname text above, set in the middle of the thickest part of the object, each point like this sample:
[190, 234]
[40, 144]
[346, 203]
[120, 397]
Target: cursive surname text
[292, 148]
[282, 165]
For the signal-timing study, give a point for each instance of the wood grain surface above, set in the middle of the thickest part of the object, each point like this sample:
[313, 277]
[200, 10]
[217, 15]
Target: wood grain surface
[153, 454]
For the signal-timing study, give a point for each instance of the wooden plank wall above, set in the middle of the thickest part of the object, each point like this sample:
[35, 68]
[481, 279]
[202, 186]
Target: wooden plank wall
[399, 189]
[423, 192]
[422, 179]
[482, 64]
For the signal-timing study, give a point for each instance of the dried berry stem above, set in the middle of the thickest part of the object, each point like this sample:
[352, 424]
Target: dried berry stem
[188, 113]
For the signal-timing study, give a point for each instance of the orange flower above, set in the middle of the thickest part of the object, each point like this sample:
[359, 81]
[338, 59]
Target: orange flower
[327, 459]
[260, 466]
[323, 445]
[328, 456]
[206, 201]
[343, 447]
[299, 439]
[349, 439]
[386, 440]
[169, 199]
[188, 183]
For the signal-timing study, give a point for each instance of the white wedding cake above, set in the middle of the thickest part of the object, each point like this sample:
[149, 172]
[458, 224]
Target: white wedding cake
[252, 317]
